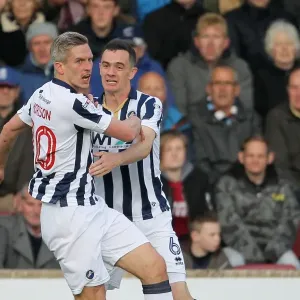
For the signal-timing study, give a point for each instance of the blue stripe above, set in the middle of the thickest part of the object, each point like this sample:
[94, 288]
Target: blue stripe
[63, 187]
[127, 192]
[42, 188]
[142, 100]
[109, 190]
[83, 112]
[93, 198]
[157, 185]
[146, 205]
[150, 107]
[38, 174]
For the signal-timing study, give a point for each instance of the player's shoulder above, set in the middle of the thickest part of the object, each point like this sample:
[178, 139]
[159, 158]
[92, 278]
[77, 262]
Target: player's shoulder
[145, 98]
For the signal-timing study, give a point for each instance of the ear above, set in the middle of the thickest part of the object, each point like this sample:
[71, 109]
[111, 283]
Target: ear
[271, 157]
[193, 235]
[241, 157]
[59, 68]
[133, 72]
[237, 90]
[116, 11]
[208, 89]
[196, 41]
[226, 43]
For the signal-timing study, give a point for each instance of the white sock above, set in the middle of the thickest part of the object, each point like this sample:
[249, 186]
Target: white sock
[165, 296]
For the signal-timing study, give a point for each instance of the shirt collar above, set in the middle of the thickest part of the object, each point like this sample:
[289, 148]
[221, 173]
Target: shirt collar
[64, 84]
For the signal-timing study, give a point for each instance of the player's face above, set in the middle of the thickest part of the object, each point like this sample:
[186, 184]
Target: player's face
[116, 71]
[173, 154]
[40, 48]
[208, 237]
[78, 67]
[31, 210]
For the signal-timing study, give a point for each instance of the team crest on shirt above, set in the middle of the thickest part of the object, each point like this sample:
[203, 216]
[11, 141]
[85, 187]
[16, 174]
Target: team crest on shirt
[90, 274]
[131, 113]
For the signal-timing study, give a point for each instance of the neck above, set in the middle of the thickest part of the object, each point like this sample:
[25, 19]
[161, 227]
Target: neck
[102, 32]
[256, 178]
[23, 22]
[197, 250]
[173, 175]
[188, 5]
[113, 100]
[34, 231]
[226, 110]
[5, 111]
[284, 66]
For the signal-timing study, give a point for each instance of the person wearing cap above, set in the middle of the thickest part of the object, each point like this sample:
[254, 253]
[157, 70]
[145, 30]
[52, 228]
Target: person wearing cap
[144, 62]
[38, 67]
[20, 162]
[101, 24]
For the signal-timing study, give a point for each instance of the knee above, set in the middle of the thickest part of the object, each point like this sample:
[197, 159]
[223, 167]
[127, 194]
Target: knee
[156, 272]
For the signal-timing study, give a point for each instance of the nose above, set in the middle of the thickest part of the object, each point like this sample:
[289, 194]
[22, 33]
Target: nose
[111, 71]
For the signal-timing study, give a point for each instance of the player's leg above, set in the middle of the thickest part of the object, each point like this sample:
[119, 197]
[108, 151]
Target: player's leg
[126, 247]
[162, 237]
[74, 235]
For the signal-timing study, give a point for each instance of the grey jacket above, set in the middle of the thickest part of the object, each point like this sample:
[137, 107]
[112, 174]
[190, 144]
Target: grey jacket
[189, 75]
[15, 247]
[217, 144]
[258, 221]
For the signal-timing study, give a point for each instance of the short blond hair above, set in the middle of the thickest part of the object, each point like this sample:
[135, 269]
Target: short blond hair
[211, 19]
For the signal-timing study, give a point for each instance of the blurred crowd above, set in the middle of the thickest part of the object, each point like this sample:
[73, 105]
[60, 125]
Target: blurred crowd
[228, 75]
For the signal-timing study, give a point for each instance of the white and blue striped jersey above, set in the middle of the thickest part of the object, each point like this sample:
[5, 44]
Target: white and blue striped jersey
[136, 189]
[62, 121]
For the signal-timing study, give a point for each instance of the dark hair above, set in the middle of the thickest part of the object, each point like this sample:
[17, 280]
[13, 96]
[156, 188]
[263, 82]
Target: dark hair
[255, 138]
[119, 44]
[207, 217]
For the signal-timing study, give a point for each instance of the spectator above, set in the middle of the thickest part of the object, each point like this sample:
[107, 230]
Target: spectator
[203, 251]
[248, 25]
[101, 24]
[64, 13]
[14, 24]
[220, 123]
[38, 66]
[145, 63]
[283, 132]
[168, 30]
[189, 73]
[21, 245]
[185, 186]
[282, 44]
[258, 212]
[19, 167]
[154, 84]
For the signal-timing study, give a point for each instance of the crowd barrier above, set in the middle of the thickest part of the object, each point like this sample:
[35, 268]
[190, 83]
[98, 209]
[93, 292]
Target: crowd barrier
[204, 285]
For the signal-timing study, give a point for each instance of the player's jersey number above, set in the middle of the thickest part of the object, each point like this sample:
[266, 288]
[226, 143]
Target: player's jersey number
[46, 133]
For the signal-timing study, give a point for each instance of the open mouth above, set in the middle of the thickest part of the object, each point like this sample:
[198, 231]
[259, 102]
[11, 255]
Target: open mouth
[111, 82]
[86, 77]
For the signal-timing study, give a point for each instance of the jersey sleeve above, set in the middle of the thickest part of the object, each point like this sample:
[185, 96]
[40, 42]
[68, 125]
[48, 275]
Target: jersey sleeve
[151, 114]
[25, 112]
[86, 115]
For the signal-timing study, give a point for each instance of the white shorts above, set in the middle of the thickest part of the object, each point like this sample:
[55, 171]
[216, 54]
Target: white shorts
[162, 237]
[87, 241]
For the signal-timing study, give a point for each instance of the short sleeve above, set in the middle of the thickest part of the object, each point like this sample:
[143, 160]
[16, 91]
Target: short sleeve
[87, 115]
[151, 114]
[25, 112]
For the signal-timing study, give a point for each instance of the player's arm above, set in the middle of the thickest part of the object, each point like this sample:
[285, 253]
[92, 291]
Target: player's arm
[87, 115]
[138, 151]
[8, 135]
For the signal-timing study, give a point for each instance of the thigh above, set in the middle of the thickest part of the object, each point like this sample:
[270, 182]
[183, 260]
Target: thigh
[121, 238]
[162, 237]
[74, 234]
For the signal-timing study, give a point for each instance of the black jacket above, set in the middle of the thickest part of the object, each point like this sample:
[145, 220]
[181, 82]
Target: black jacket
[247, 28]
[283, 134]
[168, 30]
[196, 191]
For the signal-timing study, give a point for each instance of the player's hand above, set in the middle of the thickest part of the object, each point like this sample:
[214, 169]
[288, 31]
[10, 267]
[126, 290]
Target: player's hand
[106, 162]
[91, 98]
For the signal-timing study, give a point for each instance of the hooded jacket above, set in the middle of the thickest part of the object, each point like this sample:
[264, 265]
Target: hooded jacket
[259, 221]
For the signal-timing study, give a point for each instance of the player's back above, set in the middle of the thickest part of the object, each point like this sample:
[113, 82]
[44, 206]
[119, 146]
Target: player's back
[62, 148]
